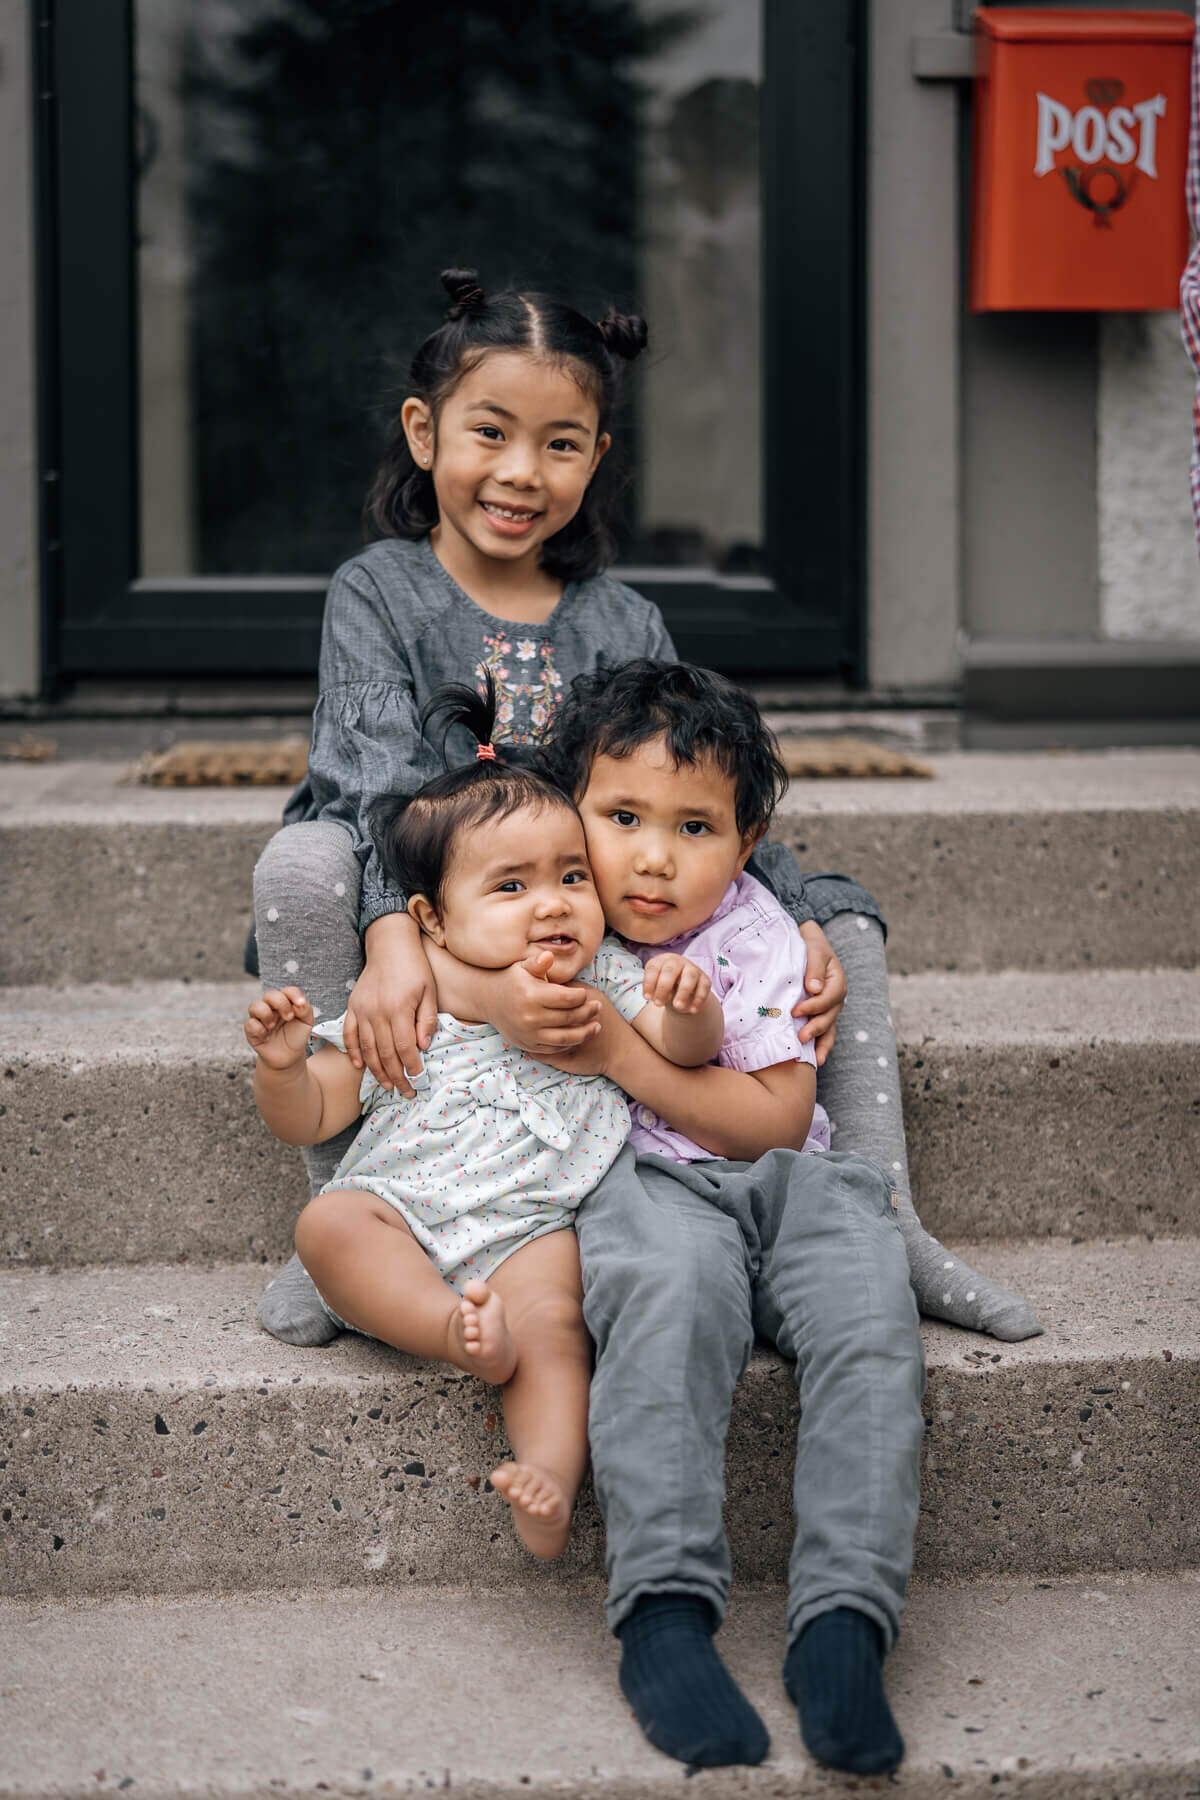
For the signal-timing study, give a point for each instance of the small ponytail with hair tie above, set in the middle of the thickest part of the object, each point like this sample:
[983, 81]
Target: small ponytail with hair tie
[622, 334]
[458, 704]
[464, 289]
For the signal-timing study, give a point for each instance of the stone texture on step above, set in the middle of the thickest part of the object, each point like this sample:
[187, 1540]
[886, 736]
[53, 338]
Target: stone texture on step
[154, 1439]
[1035, 1105]
[159, 879]
[1064, 1690]
[1052, 1104]
[1022, 860]
[1035, 861]
[129, 1131]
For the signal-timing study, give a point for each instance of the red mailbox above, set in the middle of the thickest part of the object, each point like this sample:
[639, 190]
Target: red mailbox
[1081, 127]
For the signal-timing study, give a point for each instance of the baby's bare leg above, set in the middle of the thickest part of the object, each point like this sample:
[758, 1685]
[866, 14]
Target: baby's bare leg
[371, 1270]
[545, 1402]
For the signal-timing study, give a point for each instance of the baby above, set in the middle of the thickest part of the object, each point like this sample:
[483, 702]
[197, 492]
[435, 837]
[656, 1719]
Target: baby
[446, 1229]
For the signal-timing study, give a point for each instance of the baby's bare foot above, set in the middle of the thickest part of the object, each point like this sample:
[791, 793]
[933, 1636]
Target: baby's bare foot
[541, 1503]
[482, 1331]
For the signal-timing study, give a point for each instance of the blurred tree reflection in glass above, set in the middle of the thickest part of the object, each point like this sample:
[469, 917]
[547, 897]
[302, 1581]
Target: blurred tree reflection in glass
[308, 167]
[701, 495]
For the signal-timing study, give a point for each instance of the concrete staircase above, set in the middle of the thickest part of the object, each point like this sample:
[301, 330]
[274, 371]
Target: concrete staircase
[235, 1568]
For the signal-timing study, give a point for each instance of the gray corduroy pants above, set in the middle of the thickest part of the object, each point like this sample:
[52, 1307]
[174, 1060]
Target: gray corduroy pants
[683, 1264]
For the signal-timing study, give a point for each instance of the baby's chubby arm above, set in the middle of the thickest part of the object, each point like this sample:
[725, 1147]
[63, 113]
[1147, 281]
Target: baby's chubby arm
[682, 1018]
[304, 1099]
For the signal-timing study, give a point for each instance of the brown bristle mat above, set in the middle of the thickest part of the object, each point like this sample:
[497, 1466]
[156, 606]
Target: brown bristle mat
[846, 756]
[225, 763]
[218, 763]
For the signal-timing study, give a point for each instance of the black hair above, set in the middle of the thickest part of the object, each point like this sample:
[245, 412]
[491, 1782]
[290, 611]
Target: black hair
[402, 502]
[416, 837]
[613, 711]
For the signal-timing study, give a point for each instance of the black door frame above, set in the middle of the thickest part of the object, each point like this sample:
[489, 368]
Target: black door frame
[806, 617]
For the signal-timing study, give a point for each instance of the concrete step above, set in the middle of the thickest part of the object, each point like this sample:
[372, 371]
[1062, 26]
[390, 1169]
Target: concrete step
[129, 1131]
[1060, 1105]
[1070, 1689]
[1067, 860]
[155, 1440]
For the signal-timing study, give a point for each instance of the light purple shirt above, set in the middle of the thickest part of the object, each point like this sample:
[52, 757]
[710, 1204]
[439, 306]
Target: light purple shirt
[755, 958]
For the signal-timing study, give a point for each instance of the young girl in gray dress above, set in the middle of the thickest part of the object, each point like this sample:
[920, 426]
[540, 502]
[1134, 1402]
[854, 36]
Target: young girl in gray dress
[490, 510]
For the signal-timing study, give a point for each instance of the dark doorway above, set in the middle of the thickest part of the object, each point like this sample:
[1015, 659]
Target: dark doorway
[243, 211]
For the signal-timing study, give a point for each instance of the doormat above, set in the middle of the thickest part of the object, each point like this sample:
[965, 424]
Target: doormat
[29, 749]
[221, 762]
[282, 763]
[847, 756]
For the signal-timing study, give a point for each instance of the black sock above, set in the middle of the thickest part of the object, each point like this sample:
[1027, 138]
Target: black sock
[686, 1701]
[834, 1674]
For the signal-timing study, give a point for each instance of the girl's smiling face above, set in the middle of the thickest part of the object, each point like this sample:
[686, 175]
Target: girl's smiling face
[662, 839]
[511, 453]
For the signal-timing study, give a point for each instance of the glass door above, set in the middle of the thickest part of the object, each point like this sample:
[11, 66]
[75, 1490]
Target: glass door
[246, 206]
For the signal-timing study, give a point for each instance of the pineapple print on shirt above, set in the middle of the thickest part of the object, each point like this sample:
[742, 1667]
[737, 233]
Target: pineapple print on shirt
[528, 686]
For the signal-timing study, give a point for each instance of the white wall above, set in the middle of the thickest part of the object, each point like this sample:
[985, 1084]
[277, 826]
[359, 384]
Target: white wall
[1149, 568]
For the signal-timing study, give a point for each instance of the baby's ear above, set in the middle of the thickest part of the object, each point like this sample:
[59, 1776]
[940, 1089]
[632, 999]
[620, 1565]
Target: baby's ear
[427, 920]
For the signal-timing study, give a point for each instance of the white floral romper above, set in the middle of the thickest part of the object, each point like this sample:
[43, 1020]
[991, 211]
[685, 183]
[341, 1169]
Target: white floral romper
[497, 1148]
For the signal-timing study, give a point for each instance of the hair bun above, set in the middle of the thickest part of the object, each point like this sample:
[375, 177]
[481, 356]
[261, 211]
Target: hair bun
[463, 287]
[622, 334]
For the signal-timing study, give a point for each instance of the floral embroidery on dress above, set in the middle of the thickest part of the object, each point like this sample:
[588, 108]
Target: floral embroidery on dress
[524, 706]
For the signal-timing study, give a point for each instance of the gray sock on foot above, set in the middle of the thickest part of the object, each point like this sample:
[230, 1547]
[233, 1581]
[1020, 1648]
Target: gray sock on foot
[291, 1308]
[859, 1088]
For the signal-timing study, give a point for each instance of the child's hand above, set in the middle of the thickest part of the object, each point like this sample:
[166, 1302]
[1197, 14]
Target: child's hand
[825, 992]
[277, 1027]
[540, 1016]
[391, 1014]
[537, 1015]
[675, 982]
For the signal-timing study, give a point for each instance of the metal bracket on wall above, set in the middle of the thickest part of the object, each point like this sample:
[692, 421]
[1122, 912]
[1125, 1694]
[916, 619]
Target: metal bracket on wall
[943, 56]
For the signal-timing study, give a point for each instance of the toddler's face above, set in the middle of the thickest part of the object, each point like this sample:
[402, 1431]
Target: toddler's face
[520, 884]
[662, 840]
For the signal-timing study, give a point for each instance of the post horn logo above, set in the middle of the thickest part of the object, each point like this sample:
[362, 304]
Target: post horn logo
[1100, 187]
